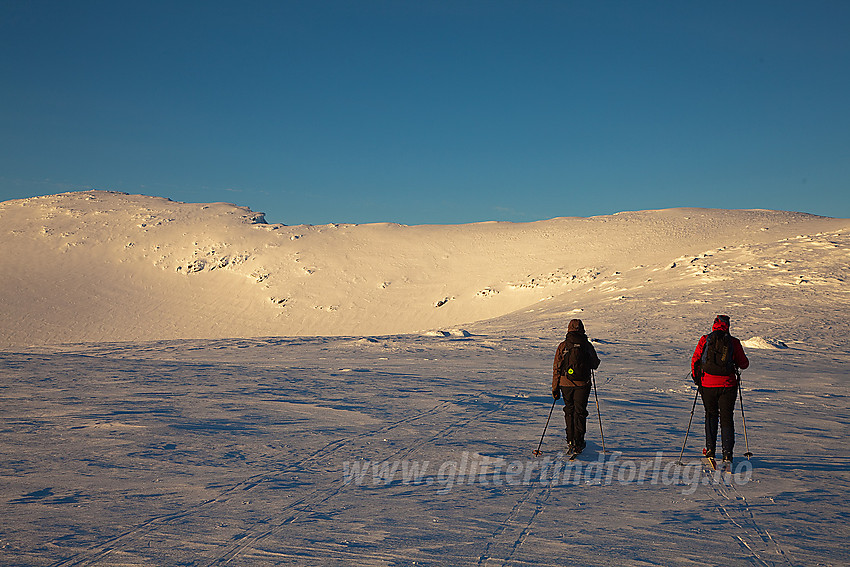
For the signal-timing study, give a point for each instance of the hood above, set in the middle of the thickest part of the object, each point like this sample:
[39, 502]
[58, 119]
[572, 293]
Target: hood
[721, 323]
[575, 325]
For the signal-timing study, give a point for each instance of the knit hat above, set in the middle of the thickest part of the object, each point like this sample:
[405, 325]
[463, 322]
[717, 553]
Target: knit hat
[575, 325]
[721, 322]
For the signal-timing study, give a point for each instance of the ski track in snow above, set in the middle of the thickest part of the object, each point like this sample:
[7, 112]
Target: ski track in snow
[283, 517]
[731, 503]
[319, 497]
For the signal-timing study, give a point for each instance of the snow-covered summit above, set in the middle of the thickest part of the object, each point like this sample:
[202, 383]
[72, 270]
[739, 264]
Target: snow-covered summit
[96, 265]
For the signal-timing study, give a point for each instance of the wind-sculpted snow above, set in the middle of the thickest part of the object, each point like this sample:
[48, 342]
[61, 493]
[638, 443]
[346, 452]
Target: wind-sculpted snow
[765, 343]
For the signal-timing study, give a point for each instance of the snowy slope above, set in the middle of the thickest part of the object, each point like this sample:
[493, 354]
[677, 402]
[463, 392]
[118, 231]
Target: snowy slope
[94, 266]
[160, 409]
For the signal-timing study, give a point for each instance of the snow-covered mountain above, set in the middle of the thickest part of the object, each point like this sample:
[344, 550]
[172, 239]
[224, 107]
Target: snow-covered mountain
[95, 265]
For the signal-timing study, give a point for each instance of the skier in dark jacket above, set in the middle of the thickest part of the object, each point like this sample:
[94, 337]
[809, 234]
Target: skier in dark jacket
[714, 367]
[571, 378]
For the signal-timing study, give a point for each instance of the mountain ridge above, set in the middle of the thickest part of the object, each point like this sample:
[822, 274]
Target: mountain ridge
[92, 266]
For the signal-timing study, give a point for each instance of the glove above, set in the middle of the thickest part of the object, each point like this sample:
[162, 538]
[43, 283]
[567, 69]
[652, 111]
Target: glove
[556, 393]
[697, 373]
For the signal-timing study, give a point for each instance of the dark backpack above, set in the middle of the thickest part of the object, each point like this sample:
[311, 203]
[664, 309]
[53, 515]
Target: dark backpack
[717, 356]
[576, 362]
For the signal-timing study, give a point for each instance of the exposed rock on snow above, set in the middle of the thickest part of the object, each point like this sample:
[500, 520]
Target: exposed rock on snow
[448, 333]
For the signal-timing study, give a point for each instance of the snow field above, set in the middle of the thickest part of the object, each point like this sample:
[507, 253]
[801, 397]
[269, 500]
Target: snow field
[200, 452]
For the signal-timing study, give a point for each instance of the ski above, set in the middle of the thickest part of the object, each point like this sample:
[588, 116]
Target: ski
[560, 454]
[723, 466]
[574, 455]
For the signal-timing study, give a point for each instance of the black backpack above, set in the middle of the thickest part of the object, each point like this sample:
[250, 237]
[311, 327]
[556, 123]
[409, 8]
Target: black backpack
[576, 362]
[717, 356]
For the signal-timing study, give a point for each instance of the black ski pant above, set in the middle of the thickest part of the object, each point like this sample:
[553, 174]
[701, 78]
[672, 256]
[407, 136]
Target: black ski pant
[575, 411]
[719, 407]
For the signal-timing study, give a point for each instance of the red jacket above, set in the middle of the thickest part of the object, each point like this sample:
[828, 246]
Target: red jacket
[741, 361]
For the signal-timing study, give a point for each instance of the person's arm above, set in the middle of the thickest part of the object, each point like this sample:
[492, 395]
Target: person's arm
[594, 358]
[741, 360]
[697, 355]
[556, 367]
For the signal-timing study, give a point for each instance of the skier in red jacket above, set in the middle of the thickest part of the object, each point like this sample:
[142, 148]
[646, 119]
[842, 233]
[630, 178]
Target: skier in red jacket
[714, 366]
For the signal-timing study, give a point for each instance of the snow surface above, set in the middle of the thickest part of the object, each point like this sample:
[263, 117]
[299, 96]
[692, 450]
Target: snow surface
[184, 384]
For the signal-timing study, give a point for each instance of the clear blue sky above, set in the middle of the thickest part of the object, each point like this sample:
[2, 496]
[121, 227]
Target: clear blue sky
[441, 112]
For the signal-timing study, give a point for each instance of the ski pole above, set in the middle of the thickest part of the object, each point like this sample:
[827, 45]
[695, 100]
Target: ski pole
[537, 450]
[598, 413]
[743, 417]
[679, 462]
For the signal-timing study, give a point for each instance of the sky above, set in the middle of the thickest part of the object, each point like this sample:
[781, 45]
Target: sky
[430, 112]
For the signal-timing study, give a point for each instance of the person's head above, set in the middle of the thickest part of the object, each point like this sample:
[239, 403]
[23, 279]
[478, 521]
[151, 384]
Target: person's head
[575, 325]
[721, 322]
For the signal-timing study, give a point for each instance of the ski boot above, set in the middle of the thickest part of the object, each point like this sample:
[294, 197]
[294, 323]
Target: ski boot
[579, 446]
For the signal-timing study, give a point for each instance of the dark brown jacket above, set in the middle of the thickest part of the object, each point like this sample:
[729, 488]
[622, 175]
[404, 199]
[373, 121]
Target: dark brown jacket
[558, 379]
